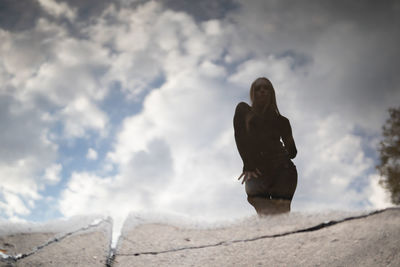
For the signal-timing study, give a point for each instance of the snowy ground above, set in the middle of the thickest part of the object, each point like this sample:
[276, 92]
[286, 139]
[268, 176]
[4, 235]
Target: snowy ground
[295, 239]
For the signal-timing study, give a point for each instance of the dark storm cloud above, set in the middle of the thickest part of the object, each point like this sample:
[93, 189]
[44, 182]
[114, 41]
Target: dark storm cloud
[370, 13]
[373, 14]
[202, 10]
[354, 42]
[88, 9]
[19, 15]
[23, 15]
[302, 21]
[377, 33]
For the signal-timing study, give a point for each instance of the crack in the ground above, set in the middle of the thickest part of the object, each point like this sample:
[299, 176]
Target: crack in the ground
[12, 259]
[110, 258]
[222, 243]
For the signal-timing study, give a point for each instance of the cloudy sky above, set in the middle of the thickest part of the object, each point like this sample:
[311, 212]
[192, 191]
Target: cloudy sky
[127, 106]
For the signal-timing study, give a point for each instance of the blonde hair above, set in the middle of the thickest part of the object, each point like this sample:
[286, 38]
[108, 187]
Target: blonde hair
[255, 84]
[272, 104]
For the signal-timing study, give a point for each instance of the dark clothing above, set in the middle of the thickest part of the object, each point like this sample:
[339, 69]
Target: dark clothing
[258, 139]
[280, 185]
[261, 141]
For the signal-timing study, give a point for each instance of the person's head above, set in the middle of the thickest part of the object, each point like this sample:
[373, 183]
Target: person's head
[262, 94]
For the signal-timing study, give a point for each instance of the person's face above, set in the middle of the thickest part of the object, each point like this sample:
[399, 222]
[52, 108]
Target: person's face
[263, 93]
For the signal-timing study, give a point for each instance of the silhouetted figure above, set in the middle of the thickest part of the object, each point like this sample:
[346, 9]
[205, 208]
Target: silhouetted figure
[269, 174]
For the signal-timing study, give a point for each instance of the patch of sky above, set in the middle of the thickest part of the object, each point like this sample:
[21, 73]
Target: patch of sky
[1, 198]
[361, 182]
[53, 191]
[232, 66]
[368, 142]
[44, 103]
[118, 106]
[369, 149]
[298, 60]
[98, 71]
[157, 82]
[45, 209]
[72, 154]
[362, 204]
[73, 158]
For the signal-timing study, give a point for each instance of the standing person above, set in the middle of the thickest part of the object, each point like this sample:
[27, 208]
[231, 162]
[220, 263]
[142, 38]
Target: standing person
[269, 175]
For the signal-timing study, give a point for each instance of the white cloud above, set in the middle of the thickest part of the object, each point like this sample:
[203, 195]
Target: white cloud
[46, 78]
[58, 9]
[80, 116]
[135, 65]
[212, 27]
[177, 153]
[14, 205]
[377, 195]
[20, 186]
[16, 178]
[91, 154]
[172, 150]
[331, 159]
[52, 173]
[25, 153]
[190, 116]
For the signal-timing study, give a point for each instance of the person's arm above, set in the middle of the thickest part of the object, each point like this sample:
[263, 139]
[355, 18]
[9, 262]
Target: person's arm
[287, 137]
[243, 142]
[242, 138]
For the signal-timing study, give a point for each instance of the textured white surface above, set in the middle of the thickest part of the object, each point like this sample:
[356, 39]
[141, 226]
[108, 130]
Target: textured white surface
[296, 239]
[76, 244]
[56, 226]
[285, 240]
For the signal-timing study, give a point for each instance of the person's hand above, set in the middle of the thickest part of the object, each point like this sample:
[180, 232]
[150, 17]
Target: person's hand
[247, 175]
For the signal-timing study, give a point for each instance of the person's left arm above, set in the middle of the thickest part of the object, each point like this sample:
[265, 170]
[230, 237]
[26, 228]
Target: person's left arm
[287, 137]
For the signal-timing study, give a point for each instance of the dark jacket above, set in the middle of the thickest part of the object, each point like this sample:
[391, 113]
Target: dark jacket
[259, 140]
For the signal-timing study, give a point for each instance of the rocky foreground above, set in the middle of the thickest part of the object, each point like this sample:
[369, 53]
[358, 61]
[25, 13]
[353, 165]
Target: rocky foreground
[295, 239]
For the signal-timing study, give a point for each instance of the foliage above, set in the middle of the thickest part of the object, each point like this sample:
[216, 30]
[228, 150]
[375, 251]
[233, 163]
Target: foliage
[389, 150]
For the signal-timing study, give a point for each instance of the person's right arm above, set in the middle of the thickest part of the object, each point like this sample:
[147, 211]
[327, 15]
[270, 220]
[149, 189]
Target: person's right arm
[243, 143]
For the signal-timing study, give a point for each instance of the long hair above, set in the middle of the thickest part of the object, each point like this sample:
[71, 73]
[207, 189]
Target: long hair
[271, 105]
[255, 84]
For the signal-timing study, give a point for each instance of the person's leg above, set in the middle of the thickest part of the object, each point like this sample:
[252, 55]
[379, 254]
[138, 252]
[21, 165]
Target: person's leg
[273, 194]
[285, 182]
[265, 206]
[258, 186]
[257, 194]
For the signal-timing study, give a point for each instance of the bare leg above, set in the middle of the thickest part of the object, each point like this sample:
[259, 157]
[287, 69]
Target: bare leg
[281, 186]
[265, 206]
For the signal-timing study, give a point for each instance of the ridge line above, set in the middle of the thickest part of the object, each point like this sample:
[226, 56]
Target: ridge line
[307, 229]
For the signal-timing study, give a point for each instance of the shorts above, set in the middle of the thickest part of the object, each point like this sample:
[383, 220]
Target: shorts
[279, 182]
